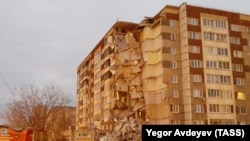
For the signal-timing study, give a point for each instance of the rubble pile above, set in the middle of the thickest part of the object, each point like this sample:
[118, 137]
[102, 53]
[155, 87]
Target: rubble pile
[127, 129]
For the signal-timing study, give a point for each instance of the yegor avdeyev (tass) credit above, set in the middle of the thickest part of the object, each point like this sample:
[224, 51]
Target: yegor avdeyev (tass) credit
[195, 132]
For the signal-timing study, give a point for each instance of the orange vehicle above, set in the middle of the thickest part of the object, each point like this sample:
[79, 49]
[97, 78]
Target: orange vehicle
[10, 134]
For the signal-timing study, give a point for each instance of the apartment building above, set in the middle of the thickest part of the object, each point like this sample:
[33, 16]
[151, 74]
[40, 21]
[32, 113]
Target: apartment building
[61, 123]
[185, 65]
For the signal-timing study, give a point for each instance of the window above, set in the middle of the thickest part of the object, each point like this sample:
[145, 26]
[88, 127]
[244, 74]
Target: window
[173, 64]
[213, 78]
[241, 110]
[237, 54]
[215, 37]
[193, 21]
[209, 36]
[175, 108]
[172, 50]
[172, 37]
[196, 63]
[208, 22]
[193, 35]
[227, 94]
[168, 36]
[242, 123]
[198, 108]
[240, 96]
[248, 42]
[211, 64]
[197, 93]
[235, 40]
[225, 79]
[226, 108]
[222, 51]
[211, 50]
[214, 23]
[239, 81]
[223, 65]
[199, 122]
[248, 29]
[238, 67]
[194, 49]
[97, 56]
[214, 93]
[174, 79]
[197, 78]
[221, 24]
[234, 27]
[221, 37]
[222, 121]
[214, 108]
[175, 122]
[216, 51]
[175, 93]
[170, 22]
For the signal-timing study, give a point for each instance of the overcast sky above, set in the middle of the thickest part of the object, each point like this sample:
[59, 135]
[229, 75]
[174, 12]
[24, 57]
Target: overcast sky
[44, 41]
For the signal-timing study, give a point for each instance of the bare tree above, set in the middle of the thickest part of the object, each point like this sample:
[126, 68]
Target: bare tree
[34, 107]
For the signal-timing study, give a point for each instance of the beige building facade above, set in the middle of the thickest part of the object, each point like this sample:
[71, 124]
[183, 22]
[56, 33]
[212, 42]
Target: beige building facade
[185, 65]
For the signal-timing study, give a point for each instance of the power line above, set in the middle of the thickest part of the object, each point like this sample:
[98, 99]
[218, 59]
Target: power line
[5, 82]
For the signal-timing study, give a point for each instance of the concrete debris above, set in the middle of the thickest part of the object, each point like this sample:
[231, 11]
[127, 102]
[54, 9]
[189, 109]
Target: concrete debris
[128, 130]
[121, 43]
